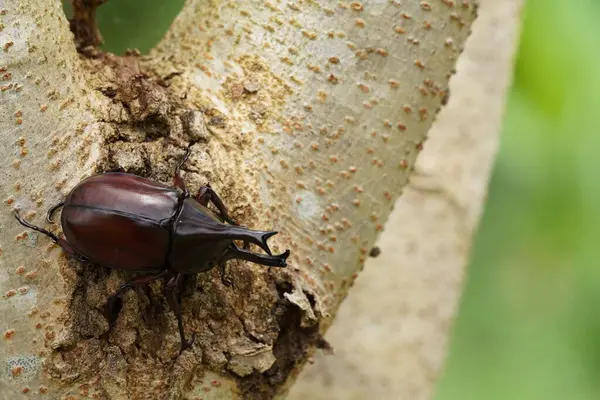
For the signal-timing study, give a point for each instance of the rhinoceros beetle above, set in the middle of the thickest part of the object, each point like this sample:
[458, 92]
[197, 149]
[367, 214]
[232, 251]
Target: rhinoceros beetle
[124, 221]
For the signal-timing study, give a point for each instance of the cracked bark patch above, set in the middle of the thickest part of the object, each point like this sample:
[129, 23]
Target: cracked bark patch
[145, 340]
[291, 349]
[250, 332]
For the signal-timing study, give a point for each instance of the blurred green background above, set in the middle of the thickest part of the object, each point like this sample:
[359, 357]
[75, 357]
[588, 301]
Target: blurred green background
[125, 25]
[528, 327]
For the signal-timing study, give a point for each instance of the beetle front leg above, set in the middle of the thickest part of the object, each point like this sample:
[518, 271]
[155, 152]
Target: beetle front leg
[206, 195]
[116, 170]
[109, 311]
[171, 293]
[177, 179]
[223, 272]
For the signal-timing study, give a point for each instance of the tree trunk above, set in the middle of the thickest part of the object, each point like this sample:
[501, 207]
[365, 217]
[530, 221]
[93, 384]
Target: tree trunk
[306, 119]
[391, 334]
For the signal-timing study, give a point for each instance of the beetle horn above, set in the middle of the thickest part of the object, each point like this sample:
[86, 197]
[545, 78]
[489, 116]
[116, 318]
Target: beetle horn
[263, 241]
[192, 221]
[259, 238]
[262, 259]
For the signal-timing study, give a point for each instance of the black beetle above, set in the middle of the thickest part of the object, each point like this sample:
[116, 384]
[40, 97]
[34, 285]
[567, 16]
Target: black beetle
[127, 222]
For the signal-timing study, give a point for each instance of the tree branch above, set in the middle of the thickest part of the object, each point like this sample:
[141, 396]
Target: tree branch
[392, 332]
[304, 118]
[332, 105]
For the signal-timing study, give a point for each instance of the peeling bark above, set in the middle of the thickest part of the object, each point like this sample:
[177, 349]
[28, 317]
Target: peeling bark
[305, 118]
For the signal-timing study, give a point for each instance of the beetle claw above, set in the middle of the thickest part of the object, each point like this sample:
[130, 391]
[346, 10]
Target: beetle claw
[231, 221]
[224, 279]
[111, 310]
[52, 210]
[186, 344]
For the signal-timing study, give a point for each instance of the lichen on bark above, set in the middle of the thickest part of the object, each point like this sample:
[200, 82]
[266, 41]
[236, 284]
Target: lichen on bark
[304, 117]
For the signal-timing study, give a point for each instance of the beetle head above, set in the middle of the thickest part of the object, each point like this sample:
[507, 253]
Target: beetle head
[200, 240]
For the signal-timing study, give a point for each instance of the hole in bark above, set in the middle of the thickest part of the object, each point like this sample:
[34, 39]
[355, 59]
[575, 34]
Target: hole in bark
[291, 349]
[121, 24]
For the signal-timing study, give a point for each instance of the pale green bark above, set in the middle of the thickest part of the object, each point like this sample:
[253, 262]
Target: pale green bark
[392, 332]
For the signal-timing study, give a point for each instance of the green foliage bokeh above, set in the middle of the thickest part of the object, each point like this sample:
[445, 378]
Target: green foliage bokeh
[133, 24]
[528, 326]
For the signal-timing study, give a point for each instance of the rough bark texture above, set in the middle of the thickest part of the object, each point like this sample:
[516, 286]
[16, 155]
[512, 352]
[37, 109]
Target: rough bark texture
[391, 333]
[305, 117]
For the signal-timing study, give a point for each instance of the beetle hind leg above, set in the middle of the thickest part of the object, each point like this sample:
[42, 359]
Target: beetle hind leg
[26, 224]
[67, 248]
[171, 293]
[52, 210]
[110, 312]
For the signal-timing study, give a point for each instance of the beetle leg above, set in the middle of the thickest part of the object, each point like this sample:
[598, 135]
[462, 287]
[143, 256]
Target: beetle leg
[206, 195]
[171, 293]
[116, 170]
[177, 179]
[110, 313]
[67, 248]
[224, 279]
[52, 210]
